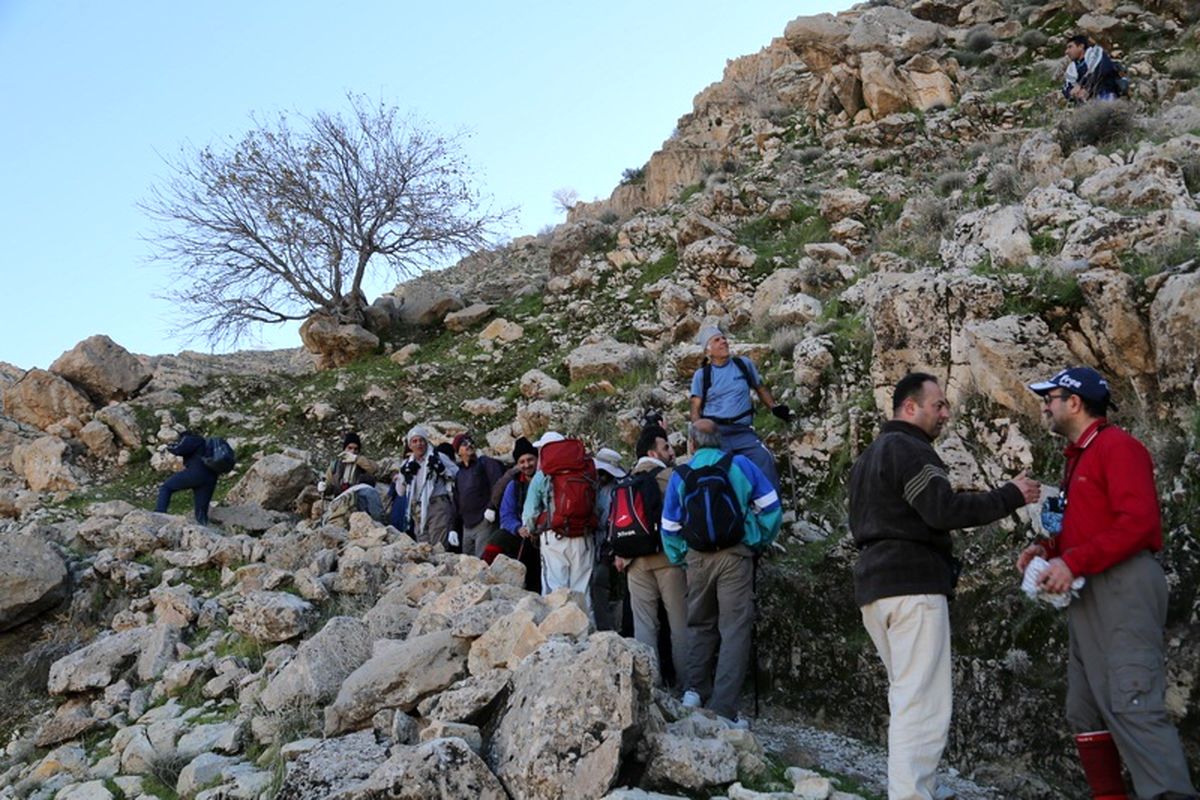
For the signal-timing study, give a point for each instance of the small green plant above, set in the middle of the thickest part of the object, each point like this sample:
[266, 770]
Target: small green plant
[979, 39]
[690, 191]
[633, 175]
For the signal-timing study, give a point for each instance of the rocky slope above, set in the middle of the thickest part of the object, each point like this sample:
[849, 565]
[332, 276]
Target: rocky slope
[896, 187]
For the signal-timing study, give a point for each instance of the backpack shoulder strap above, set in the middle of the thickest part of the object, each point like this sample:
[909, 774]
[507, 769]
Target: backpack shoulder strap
[744, 367]
[705, 382]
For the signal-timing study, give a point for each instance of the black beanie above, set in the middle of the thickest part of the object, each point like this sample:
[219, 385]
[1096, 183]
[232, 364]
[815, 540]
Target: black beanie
[351, 438]
[523, 447]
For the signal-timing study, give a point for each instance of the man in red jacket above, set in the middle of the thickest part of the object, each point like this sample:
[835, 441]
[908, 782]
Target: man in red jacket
[1110, 527]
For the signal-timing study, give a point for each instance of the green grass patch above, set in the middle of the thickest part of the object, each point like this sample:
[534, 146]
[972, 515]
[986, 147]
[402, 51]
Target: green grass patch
[1033, 86]
[771, 238]
[690, 191]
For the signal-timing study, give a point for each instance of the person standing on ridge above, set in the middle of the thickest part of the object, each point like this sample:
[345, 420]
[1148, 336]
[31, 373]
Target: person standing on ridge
[721, 391]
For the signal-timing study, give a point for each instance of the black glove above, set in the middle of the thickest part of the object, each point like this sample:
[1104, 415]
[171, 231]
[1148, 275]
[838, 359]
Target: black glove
[410, 470]
[782, 411]
[435, 464]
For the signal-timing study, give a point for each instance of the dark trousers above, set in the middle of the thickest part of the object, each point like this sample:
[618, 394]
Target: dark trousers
[202, 482]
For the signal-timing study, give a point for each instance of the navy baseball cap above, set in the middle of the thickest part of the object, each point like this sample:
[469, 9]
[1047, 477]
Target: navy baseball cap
[1083, 381]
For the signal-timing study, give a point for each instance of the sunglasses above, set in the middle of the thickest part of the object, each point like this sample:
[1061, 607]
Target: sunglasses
[1047, 399]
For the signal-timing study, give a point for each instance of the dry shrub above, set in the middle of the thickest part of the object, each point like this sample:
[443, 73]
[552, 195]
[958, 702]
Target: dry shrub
[979, 39]
[784, 341]
[1095, 123]
[1184, 65]
[948, 182]
[1033, 39]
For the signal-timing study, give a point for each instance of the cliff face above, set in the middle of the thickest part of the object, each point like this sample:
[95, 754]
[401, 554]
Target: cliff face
[896, 187]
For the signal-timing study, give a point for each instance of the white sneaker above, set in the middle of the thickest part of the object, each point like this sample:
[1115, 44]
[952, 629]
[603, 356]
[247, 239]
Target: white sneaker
[691, 699]
[737, 723]
[944, 792]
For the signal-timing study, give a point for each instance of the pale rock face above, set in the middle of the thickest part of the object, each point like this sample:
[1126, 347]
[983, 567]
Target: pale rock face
[1054, 207]
[103, 368]
[1041, 157]
[272, 616]
[1148, 183]
[942, 12]
[884, 90]
[99, 439]
[405, 354]
[892, 32]
[1008, 354]
[482, 407]
[537, 385]
[272, 482]
[981, 11]
[333, 765]
[321, 664]
[336, 344]
[41, 398]
[1100, 27]
[811, 358]
[1112, 323]
[398, 675]
[602, 357]
[44, 466]
[501, 330]
[774, 288]
[472, 699]
[798, 309]
[32, 579]
[1175, 331]
[93, 666]
[928, 87]
[425, 304]
[997, 231]
[838, 204]
[717, 252]
[459, 321]
[818, 39]
[444, 767]
[571, 715]
[690, 763]
[693, 227]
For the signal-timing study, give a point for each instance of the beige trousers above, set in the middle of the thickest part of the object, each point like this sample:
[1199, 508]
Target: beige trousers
[912, 635]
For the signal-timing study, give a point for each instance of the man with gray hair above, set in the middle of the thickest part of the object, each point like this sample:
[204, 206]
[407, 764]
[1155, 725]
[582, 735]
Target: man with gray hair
[430, 477]
[719, 512]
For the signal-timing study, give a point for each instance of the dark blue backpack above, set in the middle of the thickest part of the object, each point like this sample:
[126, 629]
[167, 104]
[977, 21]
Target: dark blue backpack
[712, 518]
[218, 455]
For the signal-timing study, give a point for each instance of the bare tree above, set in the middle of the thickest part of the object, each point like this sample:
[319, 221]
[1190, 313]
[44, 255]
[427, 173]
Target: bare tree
[288, 221]
[564, 199]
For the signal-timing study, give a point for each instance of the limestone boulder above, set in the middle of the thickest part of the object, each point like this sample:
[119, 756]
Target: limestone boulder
[928, 85]
[98, 438]
[819, 39]
[462, 319]
[501, 330]
[425, 304]
[1154, 182]
[690, 763]
[441, 769]
[942, 12]
[96, 665]
[604, 357]
[332, 766]
[573, 241]
[999, 233]
[472, 700]
[33, 578]
[892, 32]
[537, 385]
[273, 482]
[1112, 323]
[44, 464]
[334, 343]
[272, 616]
[103, 369]
[574, 711]
[884, 91]
[121, 420]
[1008, 354]
[838, 204]
[717, 252]
[693, 227]
[1041, 157]
[1102, 28]
[774, 288]
[398, 675]
[41, 398]
[1175, 332]
[322, 662]
[797, 309]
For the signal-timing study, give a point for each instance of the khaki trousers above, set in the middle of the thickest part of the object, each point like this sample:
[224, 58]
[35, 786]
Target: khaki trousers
[654, 578]
[720, 618]
[912, 635]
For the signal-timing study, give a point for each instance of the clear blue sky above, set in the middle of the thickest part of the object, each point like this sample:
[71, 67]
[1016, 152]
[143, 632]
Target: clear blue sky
[93, 93]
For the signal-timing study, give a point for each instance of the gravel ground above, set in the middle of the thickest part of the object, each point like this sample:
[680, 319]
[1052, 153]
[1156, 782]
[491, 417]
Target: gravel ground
[803, 746]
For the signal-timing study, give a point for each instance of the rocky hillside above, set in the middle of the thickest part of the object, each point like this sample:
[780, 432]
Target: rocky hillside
[896, 187]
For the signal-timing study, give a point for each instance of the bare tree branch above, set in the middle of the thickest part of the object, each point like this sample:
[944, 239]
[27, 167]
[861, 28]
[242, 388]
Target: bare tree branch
[285, 222]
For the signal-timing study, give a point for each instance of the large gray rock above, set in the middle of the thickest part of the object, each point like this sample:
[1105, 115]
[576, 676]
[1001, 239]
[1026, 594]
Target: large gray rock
[1153, 182]
[95, 666]
[398, 675]
[574, 711]
[999, 233]
[272, 482]
[690, 763]
[1009, 353]
[33, 578]
[314, 676]
[123, 423]
[893, 32]
[1175, 330]
[331, 766]
[272, 616]
[423, 304]
[336, 344]
[604, 358]
[41, 398]
[103, 368]
[44, 466]
[441, 769]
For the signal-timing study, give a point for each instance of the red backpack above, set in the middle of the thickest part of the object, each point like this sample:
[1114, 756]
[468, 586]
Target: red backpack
[573, 482]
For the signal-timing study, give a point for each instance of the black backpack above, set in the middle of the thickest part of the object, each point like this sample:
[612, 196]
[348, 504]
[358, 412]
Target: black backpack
[712, 518]
[634, 515]
[218, 455]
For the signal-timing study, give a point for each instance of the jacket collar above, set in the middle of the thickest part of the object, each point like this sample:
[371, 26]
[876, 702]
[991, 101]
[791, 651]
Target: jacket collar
[900, 426]
[1085, 439]
[647, 463]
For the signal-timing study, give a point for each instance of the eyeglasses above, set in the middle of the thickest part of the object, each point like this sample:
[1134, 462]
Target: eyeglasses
[1047, 399]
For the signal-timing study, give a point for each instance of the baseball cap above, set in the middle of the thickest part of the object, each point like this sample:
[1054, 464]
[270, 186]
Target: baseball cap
[547, 438]
[1083, 381]
[460, 439]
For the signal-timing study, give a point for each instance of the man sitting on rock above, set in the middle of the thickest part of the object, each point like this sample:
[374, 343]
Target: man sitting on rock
[1091, 74]
[721, 391]
[350, 479]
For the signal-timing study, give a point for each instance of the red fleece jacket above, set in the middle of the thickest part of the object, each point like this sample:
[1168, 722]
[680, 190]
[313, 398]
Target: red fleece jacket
[1112, 506]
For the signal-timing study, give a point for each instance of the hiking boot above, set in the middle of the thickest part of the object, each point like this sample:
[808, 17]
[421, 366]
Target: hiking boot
[691, 699]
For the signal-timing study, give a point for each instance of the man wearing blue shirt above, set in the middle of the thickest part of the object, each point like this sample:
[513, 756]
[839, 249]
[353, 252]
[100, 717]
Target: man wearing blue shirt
[721, 392]
[720, 583]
